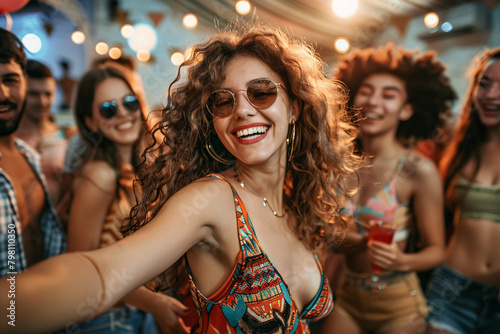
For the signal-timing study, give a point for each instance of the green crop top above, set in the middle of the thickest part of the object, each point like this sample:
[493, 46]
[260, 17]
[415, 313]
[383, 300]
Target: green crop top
[478, 201]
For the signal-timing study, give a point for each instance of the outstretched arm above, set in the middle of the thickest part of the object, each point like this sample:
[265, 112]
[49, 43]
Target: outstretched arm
[77, 286]
[96, 189]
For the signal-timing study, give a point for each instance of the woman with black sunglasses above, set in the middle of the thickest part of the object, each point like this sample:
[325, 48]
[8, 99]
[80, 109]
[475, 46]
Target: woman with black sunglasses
[109, 113]
[246, 187]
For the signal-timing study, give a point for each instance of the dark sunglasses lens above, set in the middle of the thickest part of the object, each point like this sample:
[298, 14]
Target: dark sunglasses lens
[108, 109]
[131, 103]
[262, 93]
[220, 103]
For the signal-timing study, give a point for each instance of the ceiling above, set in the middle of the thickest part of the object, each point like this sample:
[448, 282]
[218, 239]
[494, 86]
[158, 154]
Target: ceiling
[315, 20]
[312, 19]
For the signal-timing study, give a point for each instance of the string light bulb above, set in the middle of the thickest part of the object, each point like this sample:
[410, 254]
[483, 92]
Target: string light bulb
[243, 7]
[144, 37]
[344, 8]
[190, 21]
[32, 42]
[342, 45]
[431, 20]
[143, 55]
[177, 58]
[101, 48]
[115, 53]
[127, 30]
[78, 37]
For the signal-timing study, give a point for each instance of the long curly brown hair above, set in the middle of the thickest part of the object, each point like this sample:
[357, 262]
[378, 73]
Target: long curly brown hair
[429, 91]
[470, 133]
[314, 190]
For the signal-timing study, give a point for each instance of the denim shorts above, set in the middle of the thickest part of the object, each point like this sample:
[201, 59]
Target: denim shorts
[126, 320]
[461, 305]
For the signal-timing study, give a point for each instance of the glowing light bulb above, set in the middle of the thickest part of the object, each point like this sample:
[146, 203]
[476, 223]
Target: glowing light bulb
[243, 7]
[190, 21]
[144, 37]
[78, 37]
[115, 53]
[32, 42]
[342, 45]
[127, 30]
[101, 48]
[177, 58]
[143, 55]
[431, 20]
[344, 8]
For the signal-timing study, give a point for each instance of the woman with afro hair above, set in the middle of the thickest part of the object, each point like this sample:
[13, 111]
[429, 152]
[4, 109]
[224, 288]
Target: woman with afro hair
[397, 97]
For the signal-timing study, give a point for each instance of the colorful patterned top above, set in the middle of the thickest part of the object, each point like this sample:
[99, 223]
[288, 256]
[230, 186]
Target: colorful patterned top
[255, 298]
[384, 206]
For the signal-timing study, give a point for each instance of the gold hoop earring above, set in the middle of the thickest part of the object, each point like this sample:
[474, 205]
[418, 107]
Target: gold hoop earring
[214, 155]
[291, 141]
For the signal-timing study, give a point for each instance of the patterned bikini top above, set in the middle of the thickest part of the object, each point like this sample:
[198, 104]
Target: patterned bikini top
[384, 206]
[255, 298]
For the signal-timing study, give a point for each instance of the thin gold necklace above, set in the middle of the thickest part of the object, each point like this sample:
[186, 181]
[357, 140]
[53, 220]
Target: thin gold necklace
[264, 200]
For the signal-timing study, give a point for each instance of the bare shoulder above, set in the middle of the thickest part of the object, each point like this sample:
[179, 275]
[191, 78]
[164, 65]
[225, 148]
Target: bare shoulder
[101, 174]
[205, 200]
[420, 168]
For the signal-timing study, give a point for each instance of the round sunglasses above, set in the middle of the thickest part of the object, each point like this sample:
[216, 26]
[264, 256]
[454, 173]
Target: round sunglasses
[109, 109]
[260, 93]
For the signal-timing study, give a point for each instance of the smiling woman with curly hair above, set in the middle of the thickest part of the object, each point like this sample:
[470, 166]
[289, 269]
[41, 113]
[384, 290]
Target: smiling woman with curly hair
[246, 186]
[400, 96]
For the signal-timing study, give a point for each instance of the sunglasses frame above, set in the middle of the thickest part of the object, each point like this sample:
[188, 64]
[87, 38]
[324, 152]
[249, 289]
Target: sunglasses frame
[246, 96]
[113, 106]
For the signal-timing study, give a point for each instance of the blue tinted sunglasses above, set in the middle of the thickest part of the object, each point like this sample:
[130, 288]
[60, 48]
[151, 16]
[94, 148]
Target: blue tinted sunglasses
[109, 109]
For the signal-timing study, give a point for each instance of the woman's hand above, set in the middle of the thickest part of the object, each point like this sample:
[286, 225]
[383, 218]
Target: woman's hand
[168, 315]
[387, 256]
[166, 310]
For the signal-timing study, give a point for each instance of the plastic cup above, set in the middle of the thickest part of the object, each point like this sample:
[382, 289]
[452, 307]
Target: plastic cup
[382, 233]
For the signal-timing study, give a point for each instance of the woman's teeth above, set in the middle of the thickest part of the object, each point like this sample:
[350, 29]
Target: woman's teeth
[251, 133]
[124, 126]
[491, 108]
[372, 116]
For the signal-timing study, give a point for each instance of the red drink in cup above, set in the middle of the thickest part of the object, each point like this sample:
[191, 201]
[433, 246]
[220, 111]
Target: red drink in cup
[382, 233]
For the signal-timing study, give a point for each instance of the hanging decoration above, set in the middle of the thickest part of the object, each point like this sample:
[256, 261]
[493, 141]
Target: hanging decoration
[121, 16]
[156, 18]
[48, 27]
